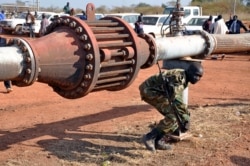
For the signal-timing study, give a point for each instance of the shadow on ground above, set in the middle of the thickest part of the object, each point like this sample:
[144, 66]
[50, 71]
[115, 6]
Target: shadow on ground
[88, 152]
[240, 161]
[57, 129]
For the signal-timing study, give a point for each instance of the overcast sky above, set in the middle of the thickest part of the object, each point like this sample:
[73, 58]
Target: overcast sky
[97, 3]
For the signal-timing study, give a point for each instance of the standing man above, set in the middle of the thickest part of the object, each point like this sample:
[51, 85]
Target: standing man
[44, 24]
[66, 8]
[139, 25]
[30, 21]
[72, 12]
[234, 25]
[207, 25]
[83, 16]
[2, 17]
[219, 27]
[176, 120]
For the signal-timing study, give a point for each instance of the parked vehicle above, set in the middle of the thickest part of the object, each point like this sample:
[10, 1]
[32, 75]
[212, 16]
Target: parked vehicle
[189, 12]
[14, 25]
[131, 18]
[195, 24]
[36, 27]
[152, 24]
[98, 16]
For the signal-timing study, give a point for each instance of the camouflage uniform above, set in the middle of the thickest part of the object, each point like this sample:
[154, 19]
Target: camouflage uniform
[151, 91]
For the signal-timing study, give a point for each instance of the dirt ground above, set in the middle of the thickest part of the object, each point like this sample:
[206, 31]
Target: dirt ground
[40, 128]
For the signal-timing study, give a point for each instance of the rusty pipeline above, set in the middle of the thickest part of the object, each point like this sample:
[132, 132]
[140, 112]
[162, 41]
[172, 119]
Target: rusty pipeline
[77, 57]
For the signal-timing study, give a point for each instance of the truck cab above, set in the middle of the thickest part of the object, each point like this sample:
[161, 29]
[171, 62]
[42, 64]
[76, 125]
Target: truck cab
[189, 12]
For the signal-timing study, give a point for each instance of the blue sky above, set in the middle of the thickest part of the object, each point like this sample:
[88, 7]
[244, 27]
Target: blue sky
[97, 3]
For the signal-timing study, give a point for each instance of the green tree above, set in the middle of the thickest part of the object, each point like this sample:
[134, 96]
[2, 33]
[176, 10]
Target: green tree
[171, 3]
[143, 5]
[247, 2]
[102, 9]
[20, 3]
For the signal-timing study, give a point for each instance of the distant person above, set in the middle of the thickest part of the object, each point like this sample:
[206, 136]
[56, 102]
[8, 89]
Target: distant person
[44, 23]
[12, 16]
[207, 25]
[228, 23]
[2, 17]
[220, 27]
[139, 25]
[35, 15]
[235, 25]
[83, 16]
[212, 26]
[66, 8]
[30, 21]
[72, 12]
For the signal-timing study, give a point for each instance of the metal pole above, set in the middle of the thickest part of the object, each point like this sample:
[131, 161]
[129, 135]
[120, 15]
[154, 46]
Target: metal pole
[234, 6]
[38, 5]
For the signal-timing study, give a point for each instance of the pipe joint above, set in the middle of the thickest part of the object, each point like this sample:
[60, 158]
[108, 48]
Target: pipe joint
[30, 65]
[210, 44]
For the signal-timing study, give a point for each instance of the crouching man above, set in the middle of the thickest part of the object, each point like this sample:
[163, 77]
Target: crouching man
[164, 92]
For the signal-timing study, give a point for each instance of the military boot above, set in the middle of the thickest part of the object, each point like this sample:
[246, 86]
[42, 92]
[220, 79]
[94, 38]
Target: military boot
[149, 139]
[163, 145]
[161, 142]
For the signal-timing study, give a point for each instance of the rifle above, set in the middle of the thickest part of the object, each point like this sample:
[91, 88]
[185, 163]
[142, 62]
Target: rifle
[167, 89]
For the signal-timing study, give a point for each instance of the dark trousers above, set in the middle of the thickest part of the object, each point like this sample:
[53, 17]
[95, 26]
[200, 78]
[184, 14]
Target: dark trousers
[7, 84]
[32, 34]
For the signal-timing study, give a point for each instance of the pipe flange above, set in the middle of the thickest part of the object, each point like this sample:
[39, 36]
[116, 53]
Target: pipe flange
[30, 70]
[210, 45]
[152, 48]
[131, 54]
[91, 57]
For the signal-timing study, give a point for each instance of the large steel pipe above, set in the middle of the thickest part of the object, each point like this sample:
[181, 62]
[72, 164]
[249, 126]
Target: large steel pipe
[231, 43]
[9, 68]
[201, 45]
[18, 63]
[181, 46]
[77, 57]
